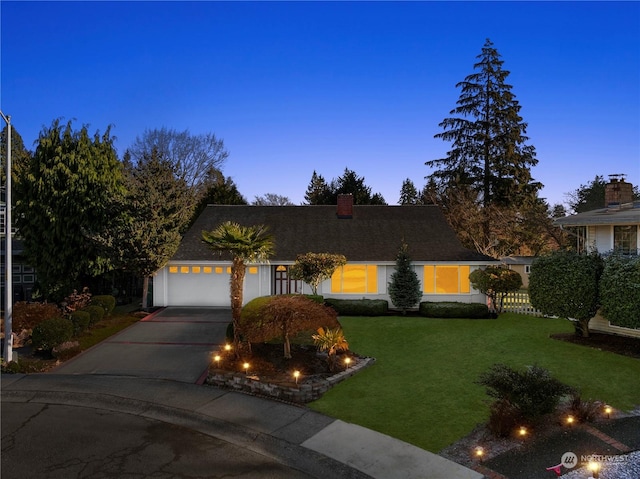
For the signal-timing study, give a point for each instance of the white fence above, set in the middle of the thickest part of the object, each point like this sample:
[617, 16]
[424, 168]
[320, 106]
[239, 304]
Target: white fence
[518, 302]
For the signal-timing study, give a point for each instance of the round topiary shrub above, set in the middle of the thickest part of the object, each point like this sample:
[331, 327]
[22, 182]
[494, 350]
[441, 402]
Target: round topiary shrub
[80, 320]
[51, 333]
[96, 313]
[106, 301]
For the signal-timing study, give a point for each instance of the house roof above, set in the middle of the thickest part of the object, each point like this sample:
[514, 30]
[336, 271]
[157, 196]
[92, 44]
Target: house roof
[514, 260]
[627, 214]
[374, 233]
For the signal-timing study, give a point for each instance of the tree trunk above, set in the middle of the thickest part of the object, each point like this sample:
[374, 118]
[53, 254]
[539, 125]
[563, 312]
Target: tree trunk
[237, 282]
[287, 347]
[145, 293]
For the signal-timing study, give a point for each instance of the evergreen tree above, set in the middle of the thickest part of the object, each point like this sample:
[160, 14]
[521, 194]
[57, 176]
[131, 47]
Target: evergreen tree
[318, 191]
[489, 150]
[408, 193]
[65, 197]
[272, 199]
[404, 288]
[19, 154]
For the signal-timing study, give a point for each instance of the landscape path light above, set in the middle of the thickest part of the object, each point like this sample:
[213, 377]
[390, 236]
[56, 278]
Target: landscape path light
[296, 375]
[570, 420]
[479, 453]
[608, 410]
[347, 361]
[594, 468]
[246, 368]
[217, 358]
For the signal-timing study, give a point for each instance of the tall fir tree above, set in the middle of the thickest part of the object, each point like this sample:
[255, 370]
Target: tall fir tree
[318, 191]
[489, 143]
[408, 193]
[65, 197]
[404, 288]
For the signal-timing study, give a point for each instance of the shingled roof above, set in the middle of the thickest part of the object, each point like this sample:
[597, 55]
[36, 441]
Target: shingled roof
[373, 233]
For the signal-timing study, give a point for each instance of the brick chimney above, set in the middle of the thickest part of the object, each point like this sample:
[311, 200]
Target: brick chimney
[617, 191]
[345, 206]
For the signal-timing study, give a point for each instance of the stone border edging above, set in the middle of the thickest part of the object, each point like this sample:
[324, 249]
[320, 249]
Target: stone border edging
[301, 394]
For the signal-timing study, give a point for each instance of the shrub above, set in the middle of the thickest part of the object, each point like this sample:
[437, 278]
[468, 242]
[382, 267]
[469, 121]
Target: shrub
[451, 309]
[332, 341]
[504, 417]
[533, 392]
[282, 317]
[107, 302]
[76, 301]
[28, 315]
[81, 321]
[565, 284]
[496, 282]
[620, 290]
[96, 312]
[51, 333]
[358, 307]
[584, 410]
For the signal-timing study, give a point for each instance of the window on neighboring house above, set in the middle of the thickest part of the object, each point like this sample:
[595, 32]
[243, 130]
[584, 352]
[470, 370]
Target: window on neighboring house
[527, 269]
[355, 278]
[581, 239]
[625, 239]
[446, 279]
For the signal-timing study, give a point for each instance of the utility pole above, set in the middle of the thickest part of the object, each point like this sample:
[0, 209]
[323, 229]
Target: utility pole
[7, 352]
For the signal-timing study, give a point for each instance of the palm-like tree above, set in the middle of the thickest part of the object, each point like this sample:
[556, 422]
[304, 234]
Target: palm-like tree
[247, 244]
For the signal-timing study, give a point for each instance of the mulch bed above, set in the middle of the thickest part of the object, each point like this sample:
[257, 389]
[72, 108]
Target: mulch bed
[622, 345]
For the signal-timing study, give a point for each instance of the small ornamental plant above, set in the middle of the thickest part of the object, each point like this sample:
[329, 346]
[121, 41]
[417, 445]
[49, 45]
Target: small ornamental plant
[332, 341]
[496, 282]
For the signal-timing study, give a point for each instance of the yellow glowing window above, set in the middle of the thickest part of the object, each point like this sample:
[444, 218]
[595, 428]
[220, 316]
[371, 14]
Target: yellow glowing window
[446, 279]
[219, 269]
[281, 268]
[195, 269]
[173, 269]
[184, 269]
[253, 270]
[355, 278]
[228, 269]
[207, 269]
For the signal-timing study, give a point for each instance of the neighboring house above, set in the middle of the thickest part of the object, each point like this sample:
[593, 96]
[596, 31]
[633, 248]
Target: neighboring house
[23, 275]
[520, 264]
[369, 237]
[615, 227]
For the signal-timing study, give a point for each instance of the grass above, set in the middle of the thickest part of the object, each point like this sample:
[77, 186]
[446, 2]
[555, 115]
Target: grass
[422, 388]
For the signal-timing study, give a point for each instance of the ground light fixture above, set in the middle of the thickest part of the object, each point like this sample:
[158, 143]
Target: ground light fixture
[227, 347]
[570, 420]
[594, 468]
[479, 453]
[296, 375]
[522, 432]
[608, 410]
[347, 361]
[217, 358]
[246, 368]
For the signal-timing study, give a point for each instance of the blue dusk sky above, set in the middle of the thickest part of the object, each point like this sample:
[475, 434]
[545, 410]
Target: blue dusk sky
[293, 87]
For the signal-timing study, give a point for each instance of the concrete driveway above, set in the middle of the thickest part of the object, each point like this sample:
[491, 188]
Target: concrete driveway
[173, 343]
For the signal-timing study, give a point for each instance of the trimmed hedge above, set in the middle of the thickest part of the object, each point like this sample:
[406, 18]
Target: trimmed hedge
[95, 312]
[107, 302]
[51, 333]
[81, 321]
[358, 307]
[452, 309]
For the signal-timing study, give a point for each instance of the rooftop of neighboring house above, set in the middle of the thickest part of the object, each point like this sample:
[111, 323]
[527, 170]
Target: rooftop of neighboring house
[360, 232]
[619, 208]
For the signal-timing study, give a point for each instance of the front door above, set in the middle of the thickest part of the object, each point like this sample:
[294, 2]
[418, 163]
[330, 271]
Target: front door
[283, 284]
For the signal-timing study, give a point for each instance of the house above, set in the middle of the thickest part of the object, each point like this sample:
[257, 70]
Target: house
[369, 236]
[520, 264]
[614, 227]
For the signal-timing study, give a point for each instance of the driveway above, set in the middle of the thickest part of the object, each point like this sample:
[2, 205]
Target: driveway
[173, 343]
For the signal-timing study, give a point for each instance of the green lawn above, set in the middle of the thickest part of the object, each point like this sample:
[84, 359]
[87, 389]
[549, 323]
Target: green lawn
[421, 389]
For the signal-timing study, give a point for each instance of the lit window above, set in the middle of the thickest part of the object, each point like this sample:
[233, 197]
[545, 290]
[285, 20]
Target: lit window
[253, 270]
[219, 270]
[228, 269]
[446, 279]
[184, 269]
[195, 269]
[207, 270]
[173, 269]
[355, 278]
